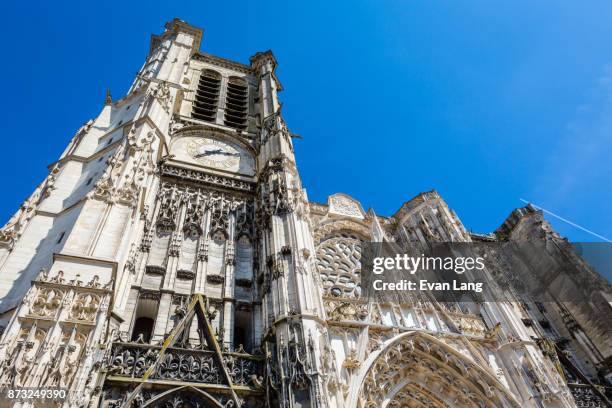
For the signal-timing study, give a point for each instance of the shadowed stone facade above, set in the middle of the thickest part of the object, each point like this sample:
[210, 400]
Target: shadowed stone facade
[171, 258]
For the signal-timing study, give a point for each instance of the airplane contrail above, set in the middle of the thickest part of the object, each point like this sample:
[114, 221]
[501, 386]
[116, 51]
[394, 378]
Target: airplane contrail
[567, 221]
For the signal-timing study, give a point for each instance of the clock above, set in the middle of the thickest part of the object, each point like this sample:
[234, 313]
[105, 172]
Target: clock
[214, 153]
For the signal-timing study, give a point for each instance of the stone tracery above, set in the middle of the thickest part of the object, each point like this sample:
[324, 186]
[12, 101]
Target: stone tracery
[416, 369]
[85, 306]
[47, 302]
[339, 266]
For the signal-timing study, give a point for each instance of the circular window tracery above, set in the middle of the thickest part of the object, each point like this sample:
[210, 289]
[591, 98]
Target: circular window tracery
[339, 266]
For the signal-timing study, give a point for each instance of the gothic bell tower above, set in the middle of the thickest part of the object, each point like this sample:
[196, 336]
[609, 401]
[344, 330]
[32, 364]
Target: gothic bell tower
[175, 260]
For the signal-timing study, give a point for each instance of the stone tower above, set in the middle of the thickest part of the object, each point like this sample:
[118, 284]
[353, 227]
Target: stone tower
[171, 258]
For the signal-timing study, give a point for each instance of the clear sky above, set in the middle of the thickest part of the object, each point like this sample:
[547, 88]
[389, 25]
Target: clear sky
[487, 102]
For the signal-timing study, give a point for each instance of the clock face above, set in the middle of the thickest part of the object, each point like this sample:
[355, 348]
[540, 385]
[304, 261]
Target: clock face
[214, 153]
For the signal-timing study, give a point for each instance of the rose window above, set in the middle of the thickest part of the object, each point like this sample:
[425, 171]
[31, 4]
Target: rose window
[339, 266]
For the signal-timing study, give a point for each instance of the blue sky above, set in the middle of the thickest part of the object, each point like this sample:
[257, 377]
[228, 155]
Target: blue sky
[487, 102]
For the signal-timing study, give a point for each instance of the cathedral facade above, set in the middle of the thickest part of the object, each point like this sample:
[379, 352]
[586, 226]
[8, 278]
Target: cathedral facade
[171, 258]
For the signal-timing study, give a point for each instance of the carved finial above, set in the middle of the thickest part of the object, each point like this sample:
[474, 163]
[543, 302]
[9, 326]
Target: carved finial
[59, 277]
[109, 285]
[94, 282]
[490, 334]
[109, 98]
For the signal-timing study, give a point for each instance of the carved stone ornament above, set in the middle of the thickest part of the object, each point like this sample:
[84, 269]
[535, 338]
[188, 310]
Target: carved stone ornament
[7, 237]
[207, 178]
[163, 96]
[85, 306]
[128, 194]
[47, 302]
[418, 368]
[215, 278]
[344, 205]
[351, 362]
[343, 310]
[185, 274]
[176, 125]
[15, 225]
[104, 188]
[339, 266]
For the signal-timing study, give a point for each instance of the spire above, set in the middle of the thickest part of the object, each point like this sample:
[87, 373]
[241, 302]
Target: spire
[109, 98]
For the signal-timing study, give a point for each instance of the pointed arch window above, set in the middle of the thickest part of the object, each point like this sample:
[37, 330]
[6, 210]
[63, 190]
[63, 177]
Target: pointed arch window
[243, 271]
[207, 96]
[243, 330]
[216, 256]
[144, 317]
[236, 103]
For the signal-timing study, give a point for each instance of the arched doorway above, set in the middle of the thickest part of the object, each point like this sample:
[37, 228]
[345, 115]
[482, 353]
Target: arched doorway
[183, 397]
[418, 370]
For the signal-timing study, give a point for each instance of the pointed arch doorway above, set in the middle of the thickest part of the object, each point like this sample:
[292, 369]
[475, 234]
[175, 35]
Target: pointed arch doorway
[418, 370]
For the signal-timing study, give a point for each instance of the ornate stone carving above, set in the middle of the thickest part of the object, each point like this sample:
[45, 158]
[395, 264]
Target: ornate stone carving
[128, 194]
[219, 216]
[338, 227]
[20, 359]
[419, 368]
[245, 220]
[176, 125]
[185, 274]
[203, 250]
[275, 265]
[344, 205]
[200, 366]
[585, 397]
[351, 362]
[47, 302]
[51, 178]
[297, 359]
[85, 307]
[168, 208]
[64, 364]
[280, 201]
[344, 310]
[155, 270]
[206, 178]
[7, 237]
[162, 94]
[193, 216]
[106, 187]
[215, 278]
[58, 278]
[14, 227]
[272, 125]
[339, 266]
[243, 371]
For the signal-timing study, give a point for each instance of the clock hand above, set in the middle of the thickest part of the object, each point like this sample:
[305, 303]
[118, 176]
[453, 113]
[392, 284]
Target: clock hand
[217, 151]
[209, 152]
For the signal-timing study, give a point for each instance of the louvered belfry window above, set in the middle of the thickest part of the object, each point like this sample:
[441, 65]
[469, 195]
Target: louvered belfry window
[207, 96]
[236, 103]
